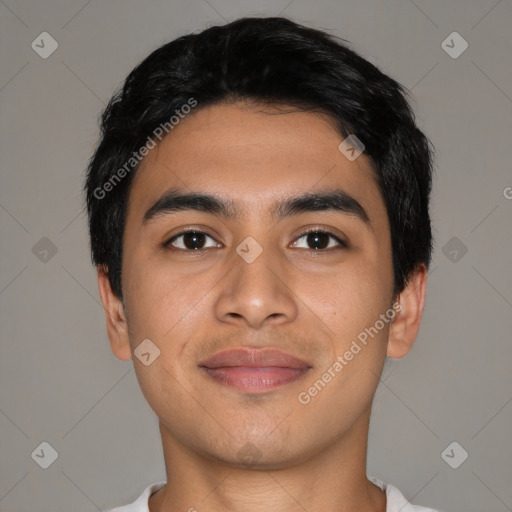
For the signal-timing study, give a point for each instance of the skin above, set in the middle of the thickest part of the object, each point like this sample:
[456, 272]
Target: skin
[303, 301]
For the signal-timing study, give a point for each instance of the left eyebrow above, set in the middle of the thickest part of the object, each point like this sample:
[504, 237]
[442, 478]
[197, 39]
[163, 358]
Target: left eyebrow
[331, 200]
[334, 200]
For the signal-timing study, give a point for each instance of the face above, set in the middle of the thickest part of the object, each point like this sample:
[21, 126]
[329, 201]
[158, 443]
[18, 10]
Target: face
[251, 313]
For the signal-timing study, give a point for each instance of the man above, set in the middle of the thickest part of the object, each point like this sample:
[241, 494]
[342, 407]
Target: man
[258, 214]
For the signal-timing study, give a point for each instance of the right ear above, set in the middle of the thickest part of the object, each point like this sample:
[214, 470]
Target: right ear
[117, 326]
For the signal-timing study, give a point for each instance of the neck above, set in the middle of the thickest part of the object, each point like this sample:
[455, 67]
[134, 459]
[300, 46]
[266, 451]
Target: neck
[332, 480]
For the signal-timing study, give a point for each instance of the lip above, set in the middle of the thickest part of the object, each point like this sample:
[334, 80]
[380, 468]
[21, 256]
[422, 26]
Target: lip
[254, 370]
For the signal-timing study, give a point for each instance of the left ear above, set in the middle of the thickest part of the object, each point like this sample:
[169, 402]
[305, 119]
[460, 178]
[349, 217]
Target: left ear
[406, 324]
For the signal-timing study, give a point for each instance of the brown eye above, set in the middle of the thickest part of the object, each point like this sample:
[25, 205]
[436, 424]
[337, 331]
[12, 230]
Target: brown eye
[319, 240]
[190, 241]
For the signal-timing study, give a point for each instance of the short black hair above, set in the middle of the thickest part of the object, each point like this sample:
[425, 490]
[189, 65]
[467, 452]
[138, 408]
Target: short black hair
[277, 62]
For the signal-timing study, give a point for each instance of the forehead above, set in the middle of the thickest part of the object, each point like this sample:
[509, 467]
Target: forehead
[254, 155]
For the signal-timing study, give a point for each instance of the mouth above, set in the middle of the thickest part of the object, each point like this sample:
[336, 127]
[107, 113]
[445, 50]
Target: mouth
[254, 370]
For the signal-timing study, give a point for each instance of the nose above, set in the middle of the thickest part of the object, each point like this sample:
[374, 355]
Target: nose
[257, 293]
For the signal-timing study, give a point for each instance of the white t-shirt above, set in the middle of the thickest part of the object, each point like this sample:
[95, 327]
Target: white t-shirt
[396, 501]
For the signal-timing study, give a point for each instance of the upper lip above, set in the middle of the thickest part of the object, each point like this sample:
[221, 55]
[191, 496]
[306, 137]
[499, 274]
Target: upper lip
[254, 358]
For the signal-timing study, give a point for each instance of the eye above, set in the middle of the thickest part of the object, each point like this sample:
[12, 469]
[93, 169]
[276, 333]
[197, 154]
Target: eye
[319, 240]
[195, 240]
[191, 240]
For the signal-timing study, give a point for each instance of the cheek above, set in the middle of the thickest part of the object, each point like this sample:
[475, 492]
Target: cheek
[167, 311]
[349, 298]
[159, 299]
[352, 300]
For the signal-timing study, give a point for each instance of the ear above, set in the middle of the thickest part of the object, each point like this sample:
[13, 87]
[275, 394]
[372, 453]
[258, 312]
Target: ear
[406, 324]
[117, 327]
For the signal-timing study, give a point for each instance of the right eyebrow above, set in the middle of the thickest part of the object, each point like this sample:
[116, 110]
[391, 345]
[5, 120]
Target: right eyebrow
[174, 200]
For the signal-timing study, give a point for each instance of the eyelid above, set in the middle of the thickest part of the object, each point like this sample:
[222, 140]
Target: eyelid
[342, 242]
[201, 231]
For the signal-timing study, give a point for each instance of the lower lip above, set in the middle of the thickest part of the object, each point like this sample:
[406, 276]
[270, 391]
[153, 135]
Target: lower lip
[254, 380]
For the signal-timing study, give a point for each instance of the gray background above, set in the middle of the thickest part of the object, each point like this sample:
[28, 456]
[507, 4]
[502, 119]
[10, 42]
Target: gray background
[60, 383]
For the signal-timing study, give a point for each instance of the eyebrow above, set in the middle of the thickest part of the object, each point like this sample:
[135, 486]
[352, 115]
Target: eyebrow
[336, 200]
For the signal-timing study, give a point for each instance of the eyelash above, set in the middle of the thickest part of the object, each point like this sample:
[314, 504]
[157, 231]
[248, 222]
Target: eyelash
[168, 244]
